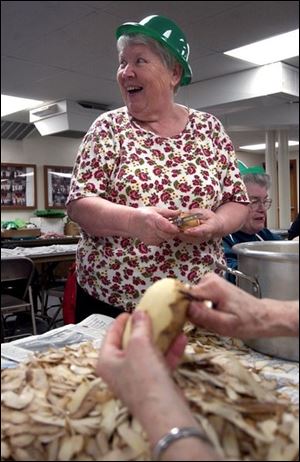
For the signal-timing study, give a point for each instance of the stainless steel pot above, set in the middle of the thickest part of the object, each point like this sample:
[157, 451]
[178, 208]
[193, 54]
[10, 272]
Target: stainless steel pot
[270, 269]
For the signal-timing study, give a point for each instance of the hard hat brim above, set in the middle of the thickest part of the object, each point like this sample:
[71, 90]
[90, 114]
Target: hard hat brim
[136, 28]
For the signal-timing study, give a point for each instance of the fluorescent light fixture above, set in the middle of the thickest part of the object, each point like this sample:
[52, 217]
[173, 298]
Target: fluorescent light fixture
[63, 175]
[270, 50]
[11, 104]
[259, 147]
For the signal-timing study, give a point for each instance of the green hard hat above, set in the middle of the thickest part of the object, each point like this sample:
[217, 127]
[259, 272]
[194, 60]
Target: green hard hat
[168, 34]
[244, 170]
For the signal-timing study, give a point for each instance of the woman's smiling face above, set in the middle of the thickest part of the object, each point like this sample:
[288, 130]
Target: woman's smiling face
[146, 84]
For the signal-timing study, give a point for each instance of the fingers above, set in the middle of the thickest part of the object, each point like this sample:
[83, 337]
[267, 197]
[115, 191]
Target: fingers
[176, 350]
[213, 287]
[115, 332]
[217, 321]
[141, 325]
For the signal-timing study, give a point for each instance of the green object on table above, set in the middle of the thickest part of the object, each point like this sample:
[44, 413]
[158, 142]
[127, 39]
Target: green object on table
[9, 225]
[50, 213]
[20, 223]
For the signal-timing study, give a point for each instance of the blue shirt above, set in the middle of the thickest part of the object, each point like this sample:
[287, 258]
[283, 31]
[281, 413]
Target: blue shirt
[239, 237]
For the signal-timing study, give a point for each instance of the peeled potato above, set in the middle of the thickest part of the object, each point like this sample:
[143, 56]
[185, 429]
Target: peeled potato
[189, 223]
[166, 307]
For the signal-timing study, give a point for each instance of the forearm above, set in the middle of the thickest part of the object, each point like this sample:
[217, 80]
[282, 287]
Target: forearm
[100, 217]
[232, 215]
[158, 416]
[282, 318]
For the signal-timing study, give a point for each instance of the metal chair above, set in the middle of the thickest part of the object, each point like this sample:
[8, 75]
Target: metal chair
[58, 292]
[16, 297]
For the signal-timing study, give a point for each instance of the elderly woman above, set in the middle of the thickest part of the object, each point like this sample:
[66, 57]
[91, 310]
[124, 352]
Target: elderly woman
[254, 227]
[142, 164]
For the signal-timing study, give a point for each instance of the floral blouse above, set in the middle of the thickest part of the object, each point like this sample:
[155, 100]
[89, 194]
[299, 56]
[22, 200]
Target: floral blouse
[125, 164]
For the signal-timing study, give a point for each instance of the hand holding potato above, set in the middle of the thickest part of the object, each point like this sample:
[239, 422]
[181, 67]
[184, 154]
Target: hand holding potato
[166, 307]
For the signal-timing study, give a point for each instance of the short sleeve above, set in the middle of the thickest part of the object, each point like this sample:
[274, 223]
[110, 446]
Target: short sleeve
[94, 161]
[233, 187]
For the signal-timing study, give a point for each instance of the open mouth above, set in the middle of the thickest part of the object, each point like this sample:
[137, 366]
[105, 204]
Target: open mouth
[134, 89]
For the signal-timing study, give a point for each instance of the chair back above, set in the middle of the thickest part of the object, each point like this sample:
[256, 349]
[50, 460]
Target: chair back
[17, 272]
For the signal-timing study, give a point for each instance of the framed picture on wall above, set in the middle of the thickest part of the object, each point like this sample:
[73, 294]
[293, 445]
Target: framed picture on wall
[18, 186]
[57, 180]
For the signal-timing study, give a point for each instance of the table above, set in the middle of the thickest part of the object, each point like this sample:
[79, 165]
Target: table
[219, 390]
[43, 254]
[37, 242]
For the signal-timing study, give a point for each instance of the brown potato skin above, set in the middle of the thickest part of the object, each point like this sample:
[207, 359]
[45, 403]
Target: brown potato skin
[189, 224]
[175, 302]
[167, 336]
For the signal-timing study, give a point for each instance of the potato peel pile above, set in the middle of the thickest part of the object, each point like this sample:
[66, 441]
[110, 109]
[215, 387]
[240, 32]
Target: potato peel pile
[54, 407]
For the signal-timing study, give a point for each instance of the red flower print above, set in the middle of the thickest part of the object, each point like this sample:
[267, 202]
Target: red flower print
[227, 182]
[191, 169]
[87, 176]
[90, 187]
[143, 248]
[188, 147]
[129, 289]
[117, 277]
[95, 163]
[99, 174]
[209, 189]
[183, 187]
[143, 176]
[223, 159]
[134, 195]
[154, 199]
[145, 187]
[165, 196]
[105, 281]
[207, 259]
[113, 300]
[192, 275]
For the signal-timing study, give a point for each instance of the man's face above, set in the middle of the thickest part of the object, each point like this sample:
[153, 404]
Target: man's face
[256, 220]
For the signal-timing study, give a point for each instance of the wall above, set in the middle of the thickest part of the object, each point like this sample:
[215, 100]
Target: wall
[250, 158]
[38, 150]
[51, 150]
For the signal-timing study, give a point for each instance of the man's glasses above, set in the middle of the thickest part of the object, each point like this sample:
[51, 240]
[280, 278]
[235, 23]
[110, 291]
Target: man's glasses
[255, 204]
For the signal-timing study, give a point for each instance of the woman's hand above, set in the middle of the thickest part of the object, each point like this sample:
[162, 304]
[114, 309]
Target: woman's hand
[239, 314]
[151, 225]
[140, 378]
[228, 218]
[140, 369]
[212, 227]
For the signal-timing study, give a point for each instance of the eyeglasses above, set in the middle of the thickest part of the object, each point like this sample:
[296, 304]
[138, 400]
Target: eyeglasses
[256, 203]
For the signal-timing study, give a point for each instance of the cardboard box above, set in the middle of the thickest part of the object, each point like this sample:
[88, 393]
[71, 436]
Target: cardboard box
[20, 233]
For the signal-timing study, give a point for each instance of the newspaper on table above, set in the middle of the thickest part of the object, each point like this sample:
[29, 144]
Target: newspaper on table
[92, 329]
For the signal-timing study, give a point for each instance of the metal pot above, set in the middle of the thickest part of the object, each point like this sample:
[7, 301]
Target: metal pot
[270, 269]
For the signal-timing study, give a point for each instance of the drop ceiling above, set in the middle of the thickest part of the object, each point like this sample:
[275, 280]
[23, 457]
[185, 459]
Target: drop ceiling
[53, 50]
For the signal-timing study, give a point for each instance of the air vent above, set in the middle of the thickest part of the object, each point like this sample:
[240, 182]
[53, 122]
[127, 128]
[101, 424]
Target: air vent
[92, 105]
[15, 130]
[64, 117]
